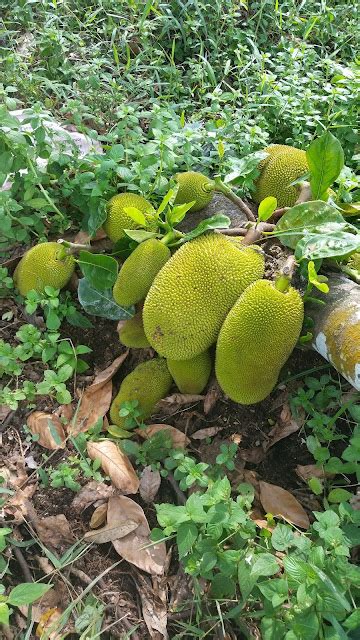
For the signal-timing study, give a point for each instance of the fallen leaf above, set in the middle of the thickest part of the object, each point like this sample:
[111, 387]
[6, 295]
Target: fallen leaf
[284, 427]
[212, 396]
[115, 464]
[94, 404]
[279, 502]
[65, 411]
[150, 482]
[177, 400]
[181, 590]
[179, 439]
[109, 534]
[49, 429]
[255, 455]
[4, 412]
[236, 438]
[14, 473]
[208, 432]
[136, 547]
[154, 607]
[43, 610]
[308, 471]
[54, 531]
[107, 374]
[98, 517]
[19, 506]
[91, 493]
[82, 237]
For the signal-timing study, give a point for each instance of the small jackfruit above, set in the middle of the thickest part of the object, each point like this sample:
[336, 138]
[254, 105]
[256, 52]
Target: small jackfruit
[117, 220]
[191, 376]
[138, 272]
[256, 339]
[194, 291]
[194, 186]
[132, 333]
[277, 171]
[44, 265]
[148, 384]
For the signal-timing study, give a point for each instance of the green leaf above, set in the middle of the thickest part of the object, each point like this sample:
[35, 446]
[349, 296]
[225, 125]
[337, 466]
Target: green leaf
[185, 538]
[317, 281]
[27, 592]
[353, 621]
[136, 215]
[282, 537]
[139, 235]
[101, 303]
[339, 495]
[275, 590]
[316, 486]
[306, 625]
[266, 208]
[208, 562]
[218, 221]
[222, 587]
[178, 213]
[4, 613]
[37, 203]
[326, 245]
[168, 198]
[265, 565]
[325, 158]
[100, 271]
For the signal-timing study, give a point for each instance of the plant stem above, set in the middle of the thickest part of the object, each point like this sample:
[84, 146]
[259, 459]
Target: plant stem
[282, 282]
[226, 191]
[45, 193]
[74, 247]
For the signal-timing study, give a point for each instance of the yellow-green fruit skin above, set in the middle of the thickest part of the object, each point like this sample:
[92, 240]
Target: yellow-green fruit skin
[283, 165]
[45, 265]
[138, 272]
[117, 220]
[191, 376]
[194, 291]
[132, 333]
[256, 339]
[148, 384]
[194, 186]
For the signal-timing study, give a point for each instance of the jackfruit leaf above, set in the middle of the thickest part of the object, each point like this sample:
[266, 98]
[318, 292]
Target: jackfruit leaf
[168, 198]
[101, 271]
[96, 215]
[101, 303]
[94, 404]
[326, 245]
[350, 209]
[150, 481]
[136, 215]
[279, 502]
[48, 428]
[317, 281]
[310, 217]
[115, 464]
[178, 438]
[26, 592]
[325, 158]
[139, 235]
[178, 213]
[98, 517]
[218, 221]
[266, 208]
[242, 167]
[107, 374]
[108, 534]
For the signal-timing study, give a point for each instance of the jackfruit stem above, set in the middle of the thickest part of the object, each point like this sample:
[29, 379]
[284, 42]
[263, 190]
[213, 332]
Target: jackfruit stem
[72, 248]
[226, 191]
[171, 236]
[283, 280]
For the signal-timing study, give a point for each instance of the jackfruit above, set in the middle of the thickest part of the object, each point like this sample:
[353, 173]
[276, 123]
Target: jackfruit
[148, 384]
[117, 220]
[44, 265]
[194, 291]
[256, 339]
[194, 186]
[132, 333]
[138, 272]
[277, 171]
[191, 376]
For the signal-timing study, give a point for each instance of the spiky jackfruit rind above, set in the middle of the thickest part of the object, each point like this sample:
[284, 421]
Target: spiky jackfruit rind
[256, 339]
[117, 220]
[194, 186]
[192, 294]
[132, 333]
[191, 376]
[148, 383]
[44, 265]
[283, 166]
[138, 272]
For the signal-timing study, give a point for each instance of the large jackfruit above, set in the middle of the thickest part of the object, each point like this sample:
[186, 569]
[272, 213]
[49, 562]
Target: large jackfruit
[256, 339]
[194, 291]
[132, 333]
[117, 220]
[45, 265]
[138, 272]
[191, 376]
[277, 171]
[194, 186]
[148, 384]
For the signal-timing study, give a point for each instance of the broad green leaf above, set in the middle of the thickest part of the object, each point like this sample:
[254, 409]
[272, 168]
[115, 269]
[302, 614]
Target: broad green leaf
[101, 303]
[167, 199]
[306, 625]
[266, 208]
[325, 158]
[265, 565]
[275, 590]
[318, 281]
[208, 562]
[339, 495]
[222, 587]
[139, 235]
[6, 160]
[246, 579]
[353, 621]
[326, 245]
[96, 216]
[272, 629]
[185, 538]
[101, 271]
[7, 120]
[282, 537]
[27, 592]
[218, 221]
[37, 203]
[136, 215]
[4, 613]
[178, 213]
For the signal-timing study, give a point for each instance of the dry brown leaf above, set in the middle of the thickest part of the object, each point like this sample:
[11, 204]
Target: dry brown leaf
[94, 404]
[284, 428]
[179, 439]
[178, 400]
[14, 473]
[115, 464]
[136, 547]
[42, 610]
[49, 429]
[19, 506]
[54, 531]
[255, 455]
[150, 482]
[154, 609]
[279, 502]
[212, 396]
[109, 534]
[65, 411]
[98, 517]
[4, 412]
[208, 432]
[107, 374]
[91, 493]
[82, 237]
[308, 471]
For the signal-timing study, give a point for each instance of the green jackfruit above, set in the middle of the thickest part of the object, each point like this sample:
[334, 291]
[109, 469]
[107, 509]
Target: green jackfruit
[148, 384]
[191, 376]
[194, 186]
[132, 333]
[194, 291]
[45, 265]
[256, 339]
[117, 220]
[277, 171]
[138, 272]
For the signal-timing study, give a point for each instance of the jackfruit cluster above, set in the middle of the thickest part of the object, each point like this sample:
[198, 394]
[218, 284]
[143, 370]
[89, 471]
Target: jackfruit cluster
[194, 186]
[132, 333]
[148, 383]
[138, 272]
[191, 376]
[44, 265]
[278, 170]
[194, 291]
[117, 219]
[256, 339]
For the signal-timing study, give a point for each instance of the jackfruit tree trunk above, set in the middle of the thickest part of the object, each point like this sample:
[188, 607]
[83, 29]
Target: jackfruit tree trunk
[336, 331]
